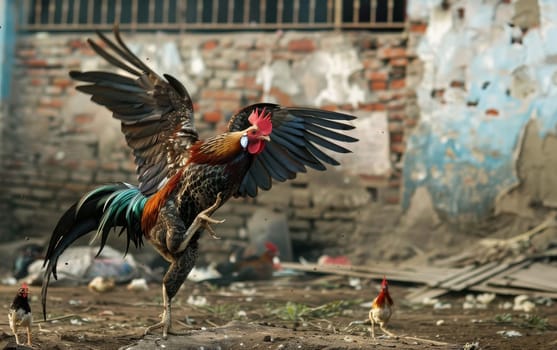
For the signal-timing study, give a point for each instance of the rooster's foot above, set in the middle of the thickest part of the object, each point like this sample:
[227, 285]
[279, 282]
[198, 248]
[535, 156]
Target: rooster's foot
[390, 334]
[203, 220]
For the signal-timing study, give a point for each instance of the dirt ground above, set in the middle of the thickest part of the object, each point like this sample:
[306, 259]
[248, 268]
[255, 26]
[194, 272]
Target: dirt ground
[286, 313]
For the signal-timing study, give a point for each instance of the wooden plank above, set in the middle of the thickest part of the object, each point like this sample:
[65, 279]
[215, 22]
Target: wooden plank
[419, 295]
[511, 291]
[534, 277]
[393, 273]
[460, 279]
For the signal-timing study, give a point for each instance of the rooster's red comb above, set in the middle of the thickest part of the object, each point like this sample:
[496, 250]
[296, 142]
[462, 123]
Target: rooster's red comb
[261, 120]
[24, 285]
[270, 246]
[384, 282]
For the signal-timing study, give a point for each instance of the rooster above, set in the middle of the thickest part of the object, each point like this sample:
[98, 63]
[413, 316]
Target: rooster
[381, 309]
[19, 314]
[183, 180]
[247, 268]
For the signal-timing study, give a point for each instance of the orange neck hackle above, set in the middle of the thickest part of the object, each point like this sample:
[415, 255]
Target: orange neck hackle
[216, 150]
[225, 147]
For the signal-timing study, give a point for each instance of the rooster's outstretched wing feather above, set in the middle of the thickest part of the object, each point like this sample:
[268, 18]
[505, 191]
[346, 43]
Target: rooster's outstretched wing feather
[156, 112]
[296, 141]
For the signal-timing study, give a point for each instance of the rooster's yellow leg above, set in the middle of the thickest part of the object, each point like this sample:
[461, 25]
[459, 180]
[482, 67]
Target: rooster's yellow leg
[29, 335]
[390, 334]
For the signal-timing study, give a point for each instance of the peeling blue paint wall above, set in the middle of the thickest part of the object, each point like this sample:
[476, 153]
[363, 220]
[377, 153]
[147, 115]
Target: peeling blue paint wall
[483, 81]
[7, 41]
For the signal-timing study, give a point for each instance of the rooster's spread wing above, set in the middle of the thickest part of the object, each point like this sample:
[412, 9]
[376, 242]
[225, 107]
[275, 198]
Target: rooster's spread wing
[296, 139]
[156, 112]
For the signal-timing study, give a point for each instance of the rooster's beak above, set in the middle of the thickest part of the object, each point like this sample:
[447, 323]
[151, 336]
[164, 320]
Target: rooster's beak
[264, 137]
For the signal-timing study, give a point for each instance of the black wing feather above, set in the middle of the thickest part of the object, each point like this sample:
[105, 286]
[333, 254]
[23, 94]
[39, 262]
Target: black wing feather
[296, 139]
[156, 113]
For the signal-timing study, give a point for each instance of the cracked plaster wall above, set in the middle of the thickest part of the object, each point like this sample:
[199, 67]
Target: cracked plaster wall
[490, 70]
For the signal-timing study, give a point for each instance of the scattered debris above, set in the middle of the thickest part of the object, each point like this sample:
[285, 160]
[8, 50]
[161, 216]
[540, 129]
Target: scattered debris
[486, 298]
[523, 303]
[510, 334]
[197, 300]
[471, 346]
[138, 285]
[101, 284]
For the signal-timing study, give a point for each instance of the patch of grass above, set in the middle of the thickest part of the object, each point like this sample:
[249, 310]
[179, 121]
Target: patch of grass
[535, 321]
[504, 318]
[527, 320]
[222, 311]
[295, 312]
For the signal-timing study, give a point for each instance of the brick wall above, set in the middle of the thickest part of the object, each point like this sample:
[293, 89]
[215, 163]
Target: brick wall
[57, 144]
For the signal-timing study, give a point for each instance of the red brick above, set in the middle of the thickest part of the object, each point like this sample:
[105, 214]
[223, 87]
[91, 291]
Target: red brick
[391, 200]
[245, 81]
[36, 63]
[398, 84]
[331, 108]
[398, 147]
[410, 122]
[396, 136]
[398, 62]
[87, 51]
[110, 166]
[373, 107]
[62, 82]
[301, 45]
[492, 112]
[282, 97]
[242, 65]
[221, 94]
[213, 116]
[38, 82]
[377, 75]
[77, 44]
[378, 85]
[391, 52]
[210, 45]
[83, 118]
[397, 115]
[418, 28]
[90, 164]
[27, 53]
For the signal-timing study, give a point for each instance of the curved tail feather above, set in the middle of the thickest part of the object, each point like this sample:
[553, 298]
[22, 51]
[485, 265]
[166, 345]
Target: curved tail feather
[103, 209]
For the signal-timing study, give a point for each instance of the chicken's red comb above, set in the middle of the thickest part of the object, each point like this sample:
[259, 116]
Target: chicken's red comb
[270, 246]
[384, 282]
[262, 121]
[24, 285]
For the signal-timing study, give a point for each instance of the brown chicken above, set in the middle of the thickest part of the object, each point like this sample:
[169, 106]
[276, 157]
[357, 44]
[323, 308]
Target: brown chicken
[381, 309]
[19, 314]
[184, 179]
[247, 268]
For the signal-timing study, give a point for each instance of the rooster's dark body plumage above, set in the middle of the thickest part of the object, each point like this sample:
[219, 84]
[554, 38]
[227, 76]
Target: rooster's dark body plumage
[182, 179]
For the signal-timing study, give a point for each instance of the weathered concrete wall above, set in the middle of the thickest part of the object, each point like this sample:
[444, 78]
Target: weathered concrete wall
[488, 70]
[58, 144]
